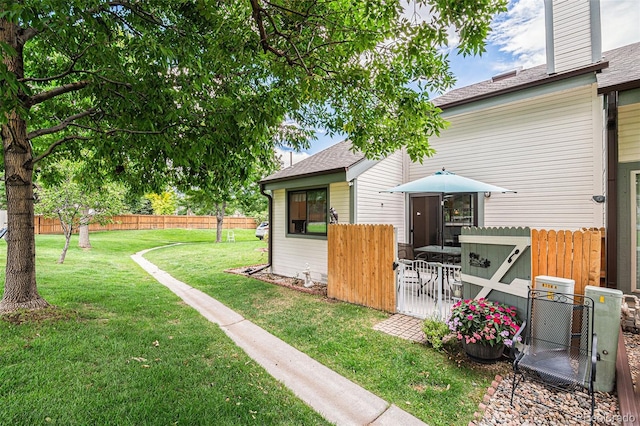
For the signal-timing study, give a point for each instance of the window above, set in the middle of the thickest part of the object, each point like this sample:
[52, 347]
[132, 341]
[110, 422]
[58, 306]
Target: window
[459, 211]
[308, 212]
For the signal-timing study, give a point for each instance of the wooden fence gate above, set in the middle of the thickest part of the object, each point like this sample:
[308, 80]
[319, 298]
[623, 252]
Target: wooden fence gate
[360, 265]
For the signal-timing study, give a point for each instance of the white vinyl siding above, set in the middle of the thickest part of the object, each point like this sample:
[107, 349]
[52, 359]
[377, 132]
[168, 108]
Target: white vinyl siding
[292, 253]
[572, 34]
[629, 133]
[547, 149]
[339, 199]
[374, 207]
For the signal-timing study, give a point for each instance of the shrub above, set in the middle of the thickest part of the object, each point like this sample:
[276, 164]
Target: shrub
[434, 331]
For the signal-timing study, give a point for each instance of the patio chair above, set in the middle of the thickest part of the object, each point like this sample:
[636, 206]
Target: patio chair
[405, 251]
[559, 347]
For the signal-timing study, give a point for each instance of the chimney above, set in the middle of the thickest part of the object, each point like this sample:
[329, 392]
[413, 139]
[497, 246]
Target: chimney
[573, 34]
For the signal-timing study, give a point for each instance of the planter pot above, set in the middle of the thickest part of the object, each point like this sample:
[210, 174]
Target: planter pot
[483, 353]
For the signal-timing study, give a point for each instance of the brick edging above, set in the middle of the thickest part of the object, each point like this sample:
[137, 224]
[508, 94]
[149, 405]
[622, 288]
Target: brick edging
[491, 390]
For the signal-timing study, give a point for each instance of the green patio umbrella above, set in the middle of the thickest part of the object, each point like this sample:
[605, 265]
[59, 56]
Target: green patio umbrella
[445, 182]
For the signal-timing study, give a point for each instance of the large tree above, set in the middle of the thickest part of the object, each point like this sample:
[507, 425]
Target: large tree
[177, 88]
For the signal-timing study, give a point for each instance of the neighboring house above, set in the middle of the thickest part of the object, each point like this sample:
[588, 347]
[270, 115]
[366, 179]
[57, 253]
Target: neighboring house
[565, 136]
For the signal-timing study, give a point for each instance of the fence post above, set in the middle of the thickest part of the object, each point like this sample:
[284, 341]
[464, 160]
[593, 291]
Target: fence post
[440, 307]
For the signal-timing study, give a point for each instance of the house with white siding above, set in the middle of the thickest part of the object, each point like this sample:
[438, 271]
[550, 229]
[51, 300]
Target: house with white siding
[564, 135]
[301, 197]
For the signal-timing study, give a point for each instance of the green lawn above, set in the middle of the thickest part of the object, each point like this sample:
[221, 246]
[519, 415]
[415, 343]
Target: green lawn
[125, 350]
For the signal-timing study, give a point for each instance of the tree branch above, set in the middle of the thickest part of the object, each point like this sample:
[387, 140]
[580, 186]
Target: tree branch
[74, 60]
[111, 132]
[62, 125]
[257, 17]
[295, 58]
[61, 90]
[142, 14]
[57, 143]
[27, 34]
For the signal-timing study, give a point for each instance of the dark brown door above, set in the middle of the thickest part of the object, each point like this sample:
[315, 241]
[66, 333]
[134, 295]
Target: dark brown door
[425, 220]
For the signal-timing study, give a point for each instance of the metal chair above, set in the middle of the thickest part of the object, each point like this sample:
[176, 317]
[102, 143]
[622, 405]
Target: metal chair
[405, 251]
[559, 347]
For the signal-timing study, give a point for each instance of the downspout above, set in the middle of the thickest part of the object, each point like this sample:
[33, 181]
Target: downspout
[611, 238]
[270, 241]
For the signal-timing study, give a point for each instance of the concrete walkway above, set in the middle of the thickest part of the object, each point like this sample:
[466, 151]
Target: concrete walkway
[336, 398]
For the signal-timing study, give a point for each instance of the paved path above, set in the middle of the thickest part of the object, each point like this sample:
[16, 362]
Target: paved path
[404, 326]
[336, 398]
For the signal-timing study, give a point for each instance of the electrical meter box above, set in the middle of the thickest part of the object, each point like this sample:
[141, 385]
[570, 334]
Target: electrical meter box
[607, 305]
[555, 284]
[550, 325]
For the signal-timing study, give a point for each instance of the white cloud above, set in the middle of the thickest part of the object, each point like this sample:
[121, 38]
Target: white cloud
[620, 23]
[520, 32]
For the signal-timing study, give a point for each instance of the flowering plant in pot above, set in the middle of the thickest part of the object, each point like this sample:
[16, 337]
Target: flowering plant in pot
[483, 322]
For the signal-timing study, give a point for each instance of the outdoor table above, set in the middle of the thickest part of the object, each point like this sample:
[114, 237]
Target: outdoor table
[452, 253]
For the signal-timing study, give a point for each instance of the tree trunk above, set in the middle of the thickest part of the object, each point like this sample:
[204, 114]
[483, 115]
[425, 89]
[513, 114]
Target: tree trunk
[83, 236]
[83, 230]
[67, 228]
[20, 290]
[63, 255]
[220, 219]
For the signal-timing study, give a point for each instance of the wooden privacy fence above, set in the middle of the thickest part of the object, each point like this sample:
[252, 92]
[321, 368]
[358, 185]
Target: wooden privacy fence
[44, 225]
[566, 254]
[360, 265]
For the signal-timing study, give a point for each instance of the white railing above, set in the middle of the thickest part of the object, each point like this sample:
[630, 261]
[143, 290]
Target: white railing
[427, 289]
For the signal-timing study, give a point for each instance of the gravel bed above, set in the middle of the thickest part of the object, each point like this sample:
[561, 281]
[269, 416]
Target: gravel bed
[575, 407]
[632, 343]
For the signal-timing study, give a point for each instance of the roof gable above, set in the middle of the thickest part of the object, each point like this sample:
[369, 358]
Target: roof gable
[337, 158]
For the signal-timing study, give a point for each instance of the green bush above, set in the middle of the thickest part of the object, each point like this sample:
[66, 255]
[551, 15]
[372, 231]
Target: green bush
[434, 331]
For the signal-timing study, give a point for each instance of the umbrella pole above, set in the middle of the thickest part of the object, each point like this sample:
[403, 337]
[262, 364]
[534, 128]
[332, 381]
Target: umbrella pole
[442, 222]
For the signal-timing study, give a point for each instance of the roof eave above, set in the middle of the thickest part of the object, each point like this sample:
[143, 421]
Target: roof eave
[312, 174]
[627, 85]
[552, 78]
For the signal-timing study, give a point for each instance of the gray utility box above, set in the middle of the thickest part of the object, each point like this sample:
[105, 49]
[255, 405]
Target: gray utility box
[552, 327]
[606, 322]
[554, 284]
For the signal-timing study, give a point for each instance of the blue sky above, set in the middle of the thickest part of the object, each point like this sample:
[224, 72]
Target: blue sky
[518, 40]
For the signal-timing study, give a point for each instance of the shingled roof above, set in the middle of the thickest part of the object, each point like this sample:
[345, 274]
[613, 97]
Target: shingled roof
[336, 158]
[619, 68]
[624, 69]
